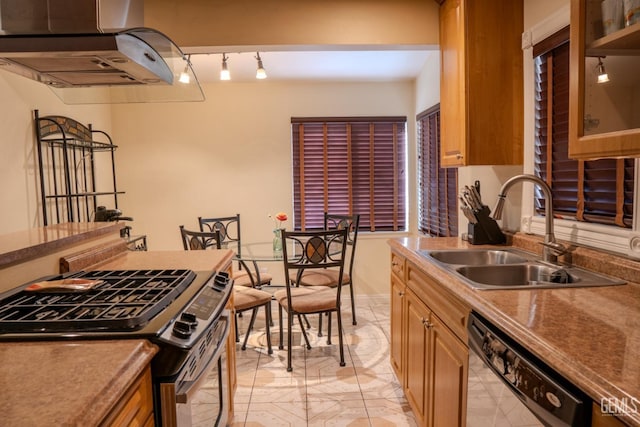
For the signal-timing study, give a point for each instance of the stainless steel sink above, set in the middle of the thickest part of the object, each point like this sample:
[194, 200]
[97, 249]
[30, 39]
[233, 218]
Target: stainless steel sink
[532, 275]
[513, 269]
[479, 256]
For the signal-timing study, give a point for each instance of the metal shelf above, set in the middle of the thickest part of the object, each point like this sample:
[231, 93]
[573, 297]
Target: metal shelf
[70, 155]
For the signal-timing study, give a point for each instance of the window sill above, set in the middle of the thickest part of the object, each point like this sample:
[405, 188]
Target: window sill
[611, 239]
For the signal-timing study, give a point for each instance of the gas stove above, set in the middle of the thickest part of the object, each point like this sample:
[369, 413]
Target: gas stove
[161, 305]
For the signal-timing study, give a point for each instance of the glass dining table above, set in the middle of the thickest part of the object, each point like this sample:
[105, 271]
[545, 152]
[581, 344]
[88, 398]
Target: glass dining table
[260, 252]
[251, 254]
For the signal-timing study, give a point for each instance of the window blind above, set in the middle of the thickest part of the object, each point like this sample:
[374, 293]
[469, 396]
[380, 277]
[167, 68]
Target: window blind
[597, 191]
[437, 186]
[347, 165]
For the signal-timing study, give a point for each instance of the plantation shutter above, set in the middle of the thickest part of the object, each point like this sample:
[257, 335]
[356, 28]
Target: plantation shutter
[348, 166]
[437, 204]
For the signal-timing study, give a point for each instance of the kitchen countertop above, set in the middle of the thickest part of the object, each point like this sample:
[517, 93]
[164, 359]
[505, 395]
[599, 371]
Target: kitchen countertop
[67, 383]
[22, 246]
[589, 335]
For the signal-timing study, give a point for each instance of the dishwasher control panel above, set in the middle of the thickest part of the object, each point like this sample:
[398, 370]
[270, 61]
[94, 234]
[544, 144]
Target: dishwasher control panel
[539, 387]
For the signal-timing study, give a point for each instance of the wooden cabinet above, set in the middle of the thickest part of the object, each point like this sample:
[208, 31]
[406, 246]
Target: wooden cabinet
[481, 96]
[603, 119]
[449, 366]
[418, 353]
[428, 346]
[232, 379]
[398, 289]
[135, 409]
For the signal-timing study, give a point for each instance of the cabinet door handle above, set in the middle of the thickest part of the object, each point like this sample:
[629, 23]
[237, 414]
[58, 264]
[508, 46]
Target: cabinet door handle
[400, 294]
[426, 323]
[459, 156]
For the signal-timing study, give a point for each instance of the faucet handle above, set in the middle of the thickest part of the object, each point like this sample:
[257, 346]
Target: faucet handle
[555, 248]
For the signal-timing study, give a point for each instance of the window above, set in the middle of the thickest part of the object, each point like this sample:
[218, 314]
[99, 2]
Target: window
[349, 165]
[597, 191]
[437, 187]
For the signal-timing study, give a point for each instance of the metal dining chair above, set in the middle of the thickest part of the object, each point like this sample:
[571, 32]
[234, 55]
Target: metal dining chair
[303, 252]
[229, 228]
[244, 298]
[329, 277]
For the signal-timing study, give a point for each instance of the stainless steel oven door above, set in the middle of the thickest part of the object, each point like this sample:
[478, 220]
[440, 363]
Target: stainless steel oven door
[200, 395]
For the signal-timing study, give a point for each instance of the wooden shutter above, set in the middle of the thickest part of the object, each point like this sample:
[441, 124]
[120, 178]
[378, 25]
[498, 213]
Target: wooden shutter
[438, 187]
[597, 191]
[350, 165]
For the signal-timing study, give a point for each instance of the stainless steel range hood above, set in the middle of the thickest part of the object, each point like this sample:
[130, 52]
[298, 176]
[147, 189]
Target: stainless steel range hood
[63, 44]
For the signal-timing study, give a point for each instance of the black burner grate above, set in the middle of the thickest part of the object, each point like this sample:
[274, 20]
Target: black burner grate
[126, 300]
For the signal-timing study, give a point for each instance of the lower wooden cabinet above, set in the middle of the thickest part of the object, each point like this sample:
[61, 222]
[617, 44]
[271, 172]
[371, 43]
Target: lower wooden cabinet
[397, 319]
[449, 368]
[135, 409]
[429, 358]
[418, 352]
[232, 380]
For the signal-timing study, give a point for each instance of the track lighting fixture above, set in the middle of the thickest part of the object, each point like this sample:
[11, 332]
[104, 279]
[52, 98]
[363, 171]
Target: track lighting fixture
[224, 72]
[603, 77]
[184, 75]
[260, 73]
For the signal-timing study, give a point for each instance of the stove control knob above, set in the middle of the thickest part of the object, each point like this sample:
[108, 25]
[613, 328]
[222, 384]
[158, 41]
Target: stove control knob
[189, 318]
[181, 329]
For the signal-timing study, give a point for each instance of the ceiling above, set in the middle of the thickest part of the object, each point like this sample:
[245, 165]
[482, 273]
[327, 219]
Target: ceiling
[343, 65]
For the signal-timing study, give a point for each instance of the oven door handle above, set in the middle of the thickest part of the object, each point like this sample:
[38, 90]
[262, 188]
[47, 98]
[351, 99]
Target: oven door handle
[182, 394]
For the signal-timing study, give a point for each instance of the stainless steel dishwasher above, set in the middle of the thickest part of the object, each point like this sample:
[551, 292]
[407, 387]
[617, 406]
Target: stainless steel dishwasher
[509, 386]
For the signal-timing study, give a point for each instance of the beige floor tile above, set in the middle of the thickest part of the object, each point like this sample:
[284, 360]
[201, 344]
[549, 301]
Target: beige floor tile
[277, 415]
[342, 412]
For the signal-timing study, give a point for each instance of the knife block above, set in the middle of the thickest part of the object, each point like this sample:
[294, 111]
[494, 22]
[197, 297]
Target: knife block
[486, 230]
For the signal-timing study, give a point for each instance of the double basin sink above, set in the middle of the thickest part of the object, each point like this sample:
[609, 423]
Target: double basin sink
[513, 269]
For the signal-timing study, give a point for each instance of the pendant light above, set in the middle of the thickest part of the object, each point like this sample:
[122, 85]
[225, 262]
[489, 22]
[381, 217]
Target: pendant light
[260, 73]
[224, 72]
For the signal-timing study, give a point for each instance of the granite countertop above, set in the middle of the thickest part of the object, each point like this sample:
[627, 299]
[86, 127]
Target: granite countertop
[67, 383]
[589, 335]
[22, 246]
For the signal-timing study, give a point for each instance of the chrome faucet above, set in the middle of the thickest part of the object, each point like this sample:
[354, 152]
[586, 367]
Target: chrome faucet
[551, 249]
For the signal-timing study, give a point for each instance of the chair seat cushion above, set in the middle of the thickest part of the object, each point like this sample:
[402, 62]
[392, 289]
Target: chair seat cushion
[242, 278]
[310, 299]
[320, 277]
[245, 298]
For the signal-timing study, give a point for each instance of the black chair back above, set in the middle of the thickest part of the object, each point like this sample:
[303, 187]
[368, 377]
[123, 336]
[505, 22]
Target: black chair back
[199, 240]
[308, 250]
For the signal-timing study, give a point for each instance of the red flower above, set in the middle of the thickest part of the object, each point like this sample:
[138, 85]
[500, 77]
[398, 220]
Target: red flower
[279, 218]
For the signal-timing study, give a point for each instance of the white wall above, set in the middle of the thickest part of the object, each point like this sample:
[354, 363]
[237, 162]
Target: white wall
[18, 164]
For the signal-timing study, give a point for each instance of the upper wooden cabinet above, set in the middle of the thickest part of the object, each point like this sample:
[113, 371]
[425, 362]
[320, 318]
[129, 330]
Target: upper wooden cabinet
[604, 119]
[481, 85]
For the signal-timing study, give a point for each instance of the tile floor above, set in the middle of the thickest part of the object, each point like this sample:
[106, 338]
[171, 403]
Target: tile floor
[365, 392]
[319, 392]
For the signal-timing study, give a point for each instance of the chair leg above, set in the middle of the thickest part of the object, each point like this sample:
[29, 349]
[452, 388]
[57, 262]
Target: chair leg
[353, 305]
[236, 325]
[329, 328]
[268, 322]
[320, 324]
[340, 340]
[304, 333]
[289, 340]
[280, 343]
[251, 322]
